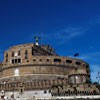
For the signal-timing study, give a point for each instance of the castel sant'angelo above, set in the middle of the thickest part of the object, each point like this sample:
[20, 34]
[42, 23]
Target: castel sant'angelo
[36, 71]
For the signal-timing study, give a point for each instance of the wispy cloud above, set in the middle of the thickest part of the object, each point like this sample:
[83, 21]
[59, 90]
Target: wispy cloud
[65, 35]
[93, 22]
[61, 36]
[92, 58]
[94, 72]
[69, 33]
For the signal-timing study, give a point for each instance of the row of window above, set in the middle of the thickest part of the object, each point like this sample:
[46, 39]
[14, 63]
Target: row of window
[67, 61]
[16, 61]
[57, 60]
[77, 79]
[17, 54]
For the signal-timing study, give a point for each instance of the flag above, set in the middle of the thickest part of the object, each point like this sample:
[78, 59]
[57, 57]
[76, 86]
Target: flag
[76, 54]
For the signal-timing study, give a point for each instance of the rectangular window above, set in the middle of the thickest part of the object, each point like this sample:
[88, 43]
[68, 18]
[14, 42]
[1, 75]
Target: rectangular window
[26, 56]
[6, 60]
[32, 51]
[15, 61]
[45, 91]
[12, 61]
[26, 52]
[7, 55]
[19, 53]
[19, 60]
[12, 54]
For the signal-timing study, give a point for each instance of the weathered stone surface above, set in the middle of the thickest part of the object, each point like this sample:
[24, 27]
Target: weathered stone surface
[39, 67]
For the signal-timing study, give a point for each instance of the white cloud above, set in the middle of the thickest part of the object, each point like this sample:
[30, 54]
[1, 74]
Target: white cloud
[94, 72]
[68, 34]
[61, 36]
[93, 22]
[90, 56]
[84, 57]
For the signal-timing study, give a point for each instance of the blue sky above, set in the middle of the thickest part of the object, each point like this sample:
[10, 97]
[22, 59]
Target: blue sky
[70, 26]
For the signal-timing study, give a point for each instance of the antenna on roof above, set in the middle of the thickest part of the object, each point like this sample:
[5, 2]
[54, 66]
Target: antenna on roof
[37, 40]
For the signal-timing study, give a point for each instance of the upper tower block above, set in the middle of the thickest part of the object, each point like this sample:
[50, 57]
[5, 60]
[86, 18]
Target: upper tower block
[18, 54]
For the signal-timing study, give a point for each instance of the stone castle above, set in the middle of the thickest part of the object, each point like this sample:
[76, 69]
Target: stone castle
[34, 70]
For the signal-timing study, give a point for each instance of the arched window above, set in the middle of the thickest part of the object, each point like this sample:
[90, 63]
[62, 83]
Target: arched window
[26, 54]
[12, 54]
[34, 60]
[19, 53]
[57, 60]
[19, 60]
[68, 61]
[87, 66]
[40, 59]
[16, 61]
[6, 55]
[48, 60]
[78, 63]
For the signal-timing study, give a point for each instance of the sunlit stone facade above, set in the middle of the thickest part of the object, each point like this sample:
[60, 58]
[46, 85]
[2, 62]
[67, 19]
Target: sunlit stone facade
[31, 67]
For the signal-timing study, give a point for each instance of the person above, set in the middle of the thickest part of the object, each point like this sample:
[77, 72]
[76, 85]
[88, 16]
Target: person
[12, 96]
[6, 98]
[2, 95]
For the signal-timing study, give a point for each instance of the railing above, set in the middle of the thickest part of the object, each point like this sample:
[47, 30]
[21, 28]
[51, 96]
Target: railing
[92, 97]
